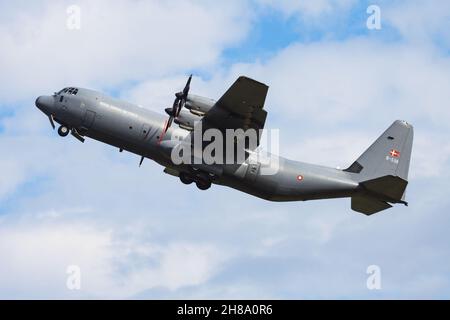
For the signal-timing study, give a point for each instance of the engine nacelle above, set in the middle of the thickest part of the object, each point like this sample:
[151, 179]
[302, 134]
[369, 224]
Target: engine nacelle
[199, 105]
[186, 120]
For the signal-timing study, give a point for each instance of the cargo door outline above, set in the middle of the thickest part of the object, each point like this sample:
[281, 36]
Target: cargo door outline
[88, 120]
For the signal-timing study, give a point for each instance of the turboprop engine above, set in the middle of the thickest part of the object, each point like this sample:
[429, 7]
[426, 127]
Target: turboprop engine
[186, 120]
[199, 105]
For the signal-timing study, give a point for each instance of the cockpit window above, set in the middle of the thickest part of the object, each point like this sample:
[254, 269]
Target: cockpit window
[72, 91]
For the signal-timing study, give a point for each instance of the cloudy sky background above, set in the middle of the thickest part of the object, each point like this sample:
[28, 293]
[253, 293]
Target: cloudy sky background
[138, 233]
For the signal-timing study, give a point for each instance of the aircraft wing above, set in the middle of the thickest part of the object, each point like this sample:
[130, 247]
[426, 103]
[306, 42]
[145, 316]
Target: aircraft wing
[241, 107]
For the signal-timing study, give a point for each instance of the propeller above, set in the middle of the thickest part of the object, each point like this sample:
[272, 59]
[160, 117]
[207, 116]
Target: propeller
[178, 104]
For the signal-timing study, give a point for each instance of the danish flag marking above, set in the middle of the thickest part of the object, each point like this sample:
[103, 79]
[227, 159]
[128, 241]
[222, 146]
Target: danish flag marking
[395, 153]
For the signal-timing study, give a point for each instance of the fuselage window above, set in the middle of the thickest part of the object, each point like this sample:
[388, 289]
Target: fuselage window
[61, 99]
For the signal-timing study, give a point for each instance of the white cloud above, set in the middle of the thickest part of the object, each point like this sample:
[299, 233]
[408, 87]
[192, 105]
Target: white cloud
[11, 178]
[110, 267]
[431, 156]
[146, 39]
[137, 230]
[420, 22]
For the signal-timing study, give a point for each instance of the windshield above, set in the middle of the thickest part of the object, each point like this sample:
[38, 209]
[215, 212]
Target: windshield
[73, 91]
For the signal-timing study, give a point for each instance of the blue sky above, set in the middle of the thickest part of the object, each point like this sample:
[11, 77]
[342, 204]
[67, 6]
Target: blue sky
[334, 87]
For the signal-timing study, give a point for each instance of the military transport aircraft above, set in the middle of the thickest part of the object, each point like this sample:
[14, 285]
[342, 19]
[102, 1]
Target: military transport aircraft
[375, 181]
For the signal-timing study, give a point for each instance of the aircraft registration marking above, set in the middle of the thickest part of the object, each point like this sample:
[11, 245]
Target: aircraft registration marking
[391, 159]
[393, 156]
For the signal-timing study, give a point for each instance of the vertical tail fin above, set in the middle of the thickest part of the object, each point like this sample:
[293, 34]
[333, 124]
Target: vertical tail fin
[383, 169]
[390, 154]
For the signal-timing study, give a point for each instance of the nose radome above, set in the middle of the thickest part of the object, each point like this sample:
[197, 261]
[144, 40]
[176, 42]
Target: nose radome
[45, 104]
[38, 103]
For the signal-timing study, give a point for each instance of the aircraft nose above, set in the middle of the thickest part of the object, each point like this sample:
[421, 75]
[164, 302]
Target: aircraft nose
[45, 104]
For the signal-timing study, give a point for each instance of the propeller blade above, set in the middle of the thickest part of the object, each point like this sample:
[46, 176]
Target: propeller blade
[187, 87]
[182, 96]
[169, 111]
[180, 105]
[175, 105]
[168, 123]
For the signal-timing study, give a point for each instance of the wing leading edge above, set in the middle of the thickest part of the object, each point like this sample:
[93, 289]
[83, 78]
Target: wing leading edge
[241, 107]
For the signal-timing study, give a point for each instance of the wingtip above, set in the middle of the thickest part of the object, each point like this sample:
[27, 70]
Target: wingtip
[242, 77]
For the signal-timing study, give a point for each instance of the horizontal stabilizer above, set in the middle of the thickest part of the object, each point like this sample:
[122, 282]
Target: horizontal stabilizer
[368, 205]
[377, 193]
[388, 188]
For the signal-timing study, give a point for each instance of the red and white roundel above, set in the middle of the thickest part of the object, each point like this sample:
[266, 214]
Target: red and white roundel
[299, 177]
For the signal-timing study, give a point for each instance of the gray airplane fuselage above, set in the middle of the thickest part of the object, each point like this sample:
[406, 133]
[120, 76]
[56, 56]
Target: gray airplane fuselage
[138, 130]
